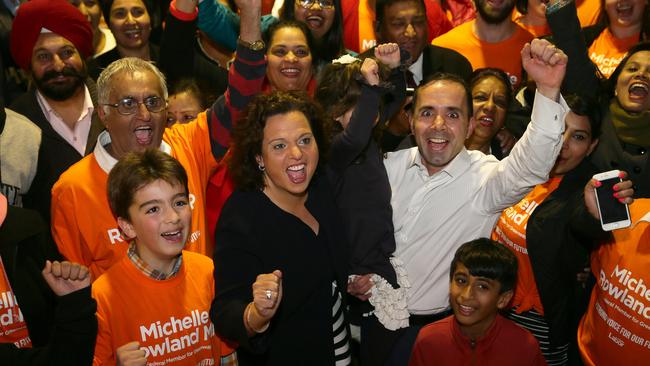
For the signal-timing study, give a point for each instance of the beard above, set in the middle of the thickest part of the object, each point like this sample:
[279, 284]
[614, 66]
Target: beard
[60, 90]
[494, 16]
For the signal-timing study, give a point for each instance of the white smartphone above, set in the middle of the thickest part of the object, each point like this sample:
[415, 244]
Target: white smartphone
[613, 214]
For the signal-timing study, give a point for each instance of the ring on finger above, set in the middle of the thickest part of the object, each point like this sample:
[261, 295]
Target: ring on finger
[268, 294]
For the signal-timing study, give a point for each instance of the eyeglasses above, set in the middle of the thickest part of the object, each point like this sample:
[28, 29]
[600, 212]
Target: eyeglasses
[324, 4]
[128, 106]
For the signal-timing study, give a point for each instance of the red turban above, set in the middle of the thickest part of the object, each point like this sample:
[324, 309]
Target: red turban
[58, 16]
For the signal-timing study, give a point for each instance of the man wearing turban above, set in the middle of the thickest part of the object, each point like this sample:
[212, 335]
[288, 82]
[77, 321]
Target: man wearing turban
[50, 39]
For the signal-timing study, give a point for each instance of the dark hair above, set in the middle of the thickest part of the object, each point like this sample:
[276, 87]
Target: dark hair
[444, 76]
[613, 79]
[586, 107]
[192, 87]
[339, 89]
[487, 258]
[248, 134]
[268, 35]
[380, 9]
[106, 6]
[137, 169]
[331, 45]
[482, 73]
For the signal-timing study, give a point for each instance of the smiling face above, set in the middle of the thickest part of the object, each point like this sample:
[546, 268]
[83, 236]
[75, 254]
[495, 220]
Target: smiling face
[405, 23]
[318, 20]
[625, 13]
[289, 155]
[56, 67]
[490, 101]
[289, 60]
[494, 11]
[130, 23]
[475, 301]
[140, 130]
[440, 123]
[633, 83]
[577, 144]
[159, 221]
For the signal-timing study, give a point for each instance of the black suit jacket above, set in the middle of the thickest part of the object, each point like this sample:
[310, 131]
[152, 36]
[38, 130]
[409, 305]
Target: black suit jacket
[56, 155]
[440, 59]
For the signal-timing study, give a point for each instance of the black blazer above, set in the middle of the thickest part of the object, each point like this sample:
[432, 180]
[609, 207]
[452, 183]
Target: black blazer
[56, 155]
[557, 250]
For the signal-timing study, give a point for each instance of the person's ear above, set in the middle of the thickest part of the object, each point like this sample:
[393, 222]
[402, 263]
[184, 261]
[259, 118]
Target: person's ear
[471, 124]
[126, 227]
[593, 145]
[101, 113]
[260, 162]
[504, 299]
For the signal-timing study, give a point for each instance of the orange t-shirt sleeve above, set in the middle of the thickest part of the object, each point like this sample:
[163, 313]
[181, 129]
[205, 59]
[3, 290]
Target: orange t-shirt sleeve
[104, 353]
[63, 219]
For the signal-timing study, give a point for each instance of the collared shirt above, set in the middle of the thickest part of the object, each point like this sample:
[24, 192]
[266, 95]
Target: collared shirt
[105, 160]
[150, 271]
[416, 69]
[77, 136]
[434, 215]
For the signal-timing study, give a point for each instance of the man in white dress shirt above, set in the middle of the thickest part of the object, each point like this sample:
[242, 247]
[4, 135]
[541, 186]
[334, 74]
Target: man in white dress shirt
[445, 195]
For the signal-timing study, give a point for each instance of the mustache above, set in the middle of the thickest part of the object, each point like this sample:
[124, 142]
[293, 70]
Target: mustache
[66, 71]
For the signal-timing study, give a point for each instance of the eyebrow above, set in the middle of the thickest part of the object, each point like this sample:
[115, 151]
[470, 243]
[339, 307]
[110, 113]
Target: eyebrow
[156, 201]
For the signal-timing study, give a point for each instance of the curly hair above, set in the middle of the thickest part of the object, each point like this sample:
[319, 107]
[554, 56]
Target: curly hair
[248, 134]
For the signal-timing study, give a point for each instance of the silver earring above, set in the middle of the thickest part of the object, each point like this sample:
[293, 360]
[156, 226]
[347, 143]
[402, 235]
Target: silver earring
[260, 167]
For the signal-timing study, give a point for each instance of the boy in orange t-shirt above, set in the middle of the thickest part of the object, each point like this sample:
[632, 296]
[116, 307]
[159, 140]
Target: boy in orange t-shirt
[153, 305]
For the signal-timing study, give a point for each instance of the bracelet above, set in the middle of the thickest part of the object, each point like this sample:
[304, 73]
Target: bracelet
[248, 320]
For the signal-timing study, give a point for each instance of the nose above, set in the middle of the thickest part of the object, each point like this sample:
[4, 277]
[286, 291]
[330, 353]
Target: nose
[489, 104]
[316, 5]
[439, 123]
[291, 57]
[565, 140]
[410, 31]
[172, 216]
[143, 113]
[58, 63]
[129, 18]
[467, 293]
[295, 152]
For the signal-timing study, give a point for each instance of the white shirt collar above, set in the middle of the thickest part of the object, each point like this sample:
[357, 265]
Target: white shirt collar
[416, 69]
[105, 160]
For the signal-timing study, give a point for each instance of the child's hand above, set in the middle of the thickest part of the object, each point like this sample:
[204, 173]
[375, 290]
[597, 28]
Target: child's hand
[130, 354]
[370, 71]
[66, 277]
[388, 54]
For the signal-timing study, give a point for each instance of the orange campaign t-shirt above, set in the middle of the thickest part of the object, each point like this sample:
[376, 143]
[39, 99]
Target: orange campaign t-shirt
[588, 12]
[607, 51]
[169, 318]
[13, 328]
[505, 55]
[510, 231]
[616, 327]
[83, 225]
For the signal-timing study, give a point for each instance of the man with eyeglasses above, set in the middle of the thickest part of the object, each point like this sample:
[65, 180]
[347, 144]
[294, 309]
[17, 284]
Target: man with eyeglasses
[51, 40]
[132, 98]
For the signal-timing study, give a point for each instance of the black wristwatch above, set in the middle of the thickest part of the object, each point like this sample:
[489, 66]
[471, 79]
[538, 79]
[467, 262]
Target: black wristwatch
[254, 46]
